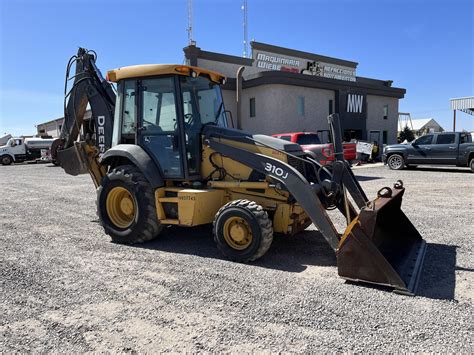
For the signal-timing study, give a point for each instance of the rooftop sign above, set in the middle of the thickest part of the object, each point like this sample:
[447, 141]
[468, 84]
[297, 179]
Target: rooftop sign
[264, 60]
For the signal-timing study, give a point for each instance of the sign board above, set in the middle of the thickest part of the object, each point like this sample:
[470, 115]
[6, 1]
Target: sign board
[276, 62]
[330, 71]
[272, 61]
[355, 103]
[364, 148]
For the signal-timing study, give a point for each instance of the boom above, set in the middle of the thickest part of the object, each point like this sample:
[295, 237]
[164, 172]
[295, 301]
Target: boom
[82, 142]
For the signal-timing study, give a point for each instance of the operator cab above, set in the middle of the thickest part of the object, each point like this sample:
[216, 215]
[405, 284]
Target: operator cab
[163, 108]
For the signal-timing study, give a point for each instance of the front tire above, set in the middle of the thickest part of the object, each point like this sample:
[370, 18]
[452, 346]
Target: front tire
[242, 230]
[395, 162]
[6, 160]
[471, 165]
[126, 206]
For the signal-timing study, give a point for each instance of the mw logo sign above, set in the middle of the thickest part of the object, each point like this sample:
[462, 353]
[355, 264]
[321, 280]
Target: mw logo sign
[354, 103]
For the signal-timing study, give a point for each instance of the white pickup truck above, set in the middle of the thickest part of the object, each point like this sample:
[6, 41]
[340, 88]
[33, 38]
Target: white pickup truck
[22, 149]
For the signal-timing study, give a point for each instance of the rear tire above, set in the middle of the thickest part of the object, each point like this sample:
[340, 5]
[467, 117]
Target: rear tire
[126, 206]
[395, 162]
[242, 230]
[6, 160]
[471, 165]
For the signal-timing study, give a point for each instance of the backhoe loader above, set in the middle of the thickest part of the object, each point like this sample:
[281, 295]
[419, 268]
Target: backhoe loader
[160, 152]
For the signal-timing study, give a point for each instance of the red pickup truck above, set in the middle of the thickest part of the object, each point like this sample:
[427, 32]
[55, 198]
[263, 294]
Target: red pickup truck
[310, 141]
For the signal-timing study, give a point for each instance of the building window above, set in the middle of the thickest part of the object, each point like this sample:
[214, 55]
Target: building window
[385, 112]
[300, 105]
[252, 107]
[331, 107]
[384, 137]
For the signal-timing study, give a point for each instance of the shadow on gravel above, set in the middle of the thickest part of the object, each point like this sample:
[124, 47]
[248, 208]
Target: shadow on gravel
[442, 170]
[294, 254]
[291, 254]
[438, 278]
[367, 178]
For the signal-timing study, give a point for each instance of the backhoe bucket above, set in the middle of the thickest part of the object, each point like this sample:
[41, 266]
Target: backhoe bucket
[382, 246]
[73, 160]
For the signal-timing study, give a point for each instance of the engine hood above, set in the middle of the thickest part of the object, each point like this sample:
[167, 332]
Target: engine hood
[245, 137]
[397, 146]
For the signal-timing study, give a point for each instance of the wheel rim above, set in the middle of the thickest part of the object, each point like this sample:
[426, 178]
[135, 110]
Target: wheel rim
[121, 207]
[237, 233]
[396, 162]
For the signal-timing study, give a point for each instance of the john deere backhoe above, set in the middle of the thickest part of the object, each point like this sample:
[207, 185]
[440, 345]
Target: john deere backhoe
[160, 153]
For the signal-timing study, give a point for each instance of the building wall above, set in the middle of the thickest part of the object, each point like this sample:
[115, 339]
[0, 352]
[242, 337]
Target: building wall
[230, 104]
[375, 120]
[52, 128]
[276, 109]
[228, 69]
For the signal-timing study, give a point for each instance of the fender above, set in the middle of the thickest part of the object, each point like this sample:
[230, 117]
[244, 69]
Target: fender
[138, 157]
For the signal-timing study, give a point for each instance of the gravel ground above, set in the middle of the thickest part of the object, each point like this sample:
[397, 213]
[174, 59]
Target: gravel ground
[66, 287]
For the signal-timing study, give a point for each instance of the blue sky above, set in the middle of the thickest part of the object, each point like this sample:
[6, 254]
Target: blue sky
[426, 47]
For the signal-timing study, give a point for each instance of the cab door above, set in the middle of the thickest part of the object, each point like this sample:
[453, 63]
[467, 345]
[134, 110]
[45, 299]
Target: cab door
[445, 149]
[421, 152]
[159, 127]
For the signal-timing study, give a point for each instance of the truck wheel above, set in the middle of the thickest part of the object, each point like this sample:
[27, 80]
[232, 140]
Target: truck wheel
[242, 230]
[126, 206]
[395, 162]
[471, 165]
[6, 160]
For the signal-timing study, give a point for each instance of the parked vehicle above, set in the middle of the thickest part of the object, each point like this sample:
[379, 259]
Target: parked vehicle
[448, 148]
[20, 149]
[310, 142]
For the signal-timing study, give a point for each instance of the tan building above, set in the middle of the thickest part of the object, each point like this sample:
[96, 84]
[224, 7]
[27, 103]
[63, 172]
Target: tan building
[286, 90]
[53, 128]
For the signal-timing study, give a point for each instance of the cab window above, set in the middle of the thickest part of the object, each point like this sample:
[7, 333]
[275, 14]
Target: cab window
[304, 139]
[129, 114]
[158, 105]
[446, 139]
[428, 139]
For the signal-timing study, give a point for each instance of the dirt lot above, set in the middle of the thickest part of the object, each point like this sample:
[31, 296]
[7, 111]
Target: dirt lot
[66, 287]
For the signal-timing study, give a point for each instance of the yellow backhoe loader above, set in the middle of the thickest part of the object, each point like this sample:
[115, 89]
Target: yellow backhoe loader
[160, 153]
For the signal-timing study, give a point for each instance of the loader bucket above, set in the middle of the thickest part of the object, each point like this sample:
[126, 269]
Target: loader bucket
[381, 245]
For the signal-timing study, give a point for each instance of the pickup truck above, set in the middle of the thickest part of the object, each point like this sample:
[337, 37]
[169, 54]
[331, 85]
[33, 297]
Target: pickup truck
[23, 149]
[310, 142]
[448, 148]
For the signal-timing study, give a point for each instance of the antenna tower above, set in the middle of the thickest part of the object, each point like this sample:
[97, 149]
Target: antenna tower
[245, 42]
[190, 23]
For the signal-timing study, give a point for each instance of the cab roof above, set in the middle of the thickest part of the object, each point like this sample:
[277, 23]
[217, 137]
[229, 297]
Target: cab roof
[137, 71]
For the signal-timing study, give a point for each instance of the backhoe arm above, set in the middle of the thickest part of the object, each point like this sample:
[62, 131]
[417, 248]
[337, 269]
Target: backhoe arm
[82, 142]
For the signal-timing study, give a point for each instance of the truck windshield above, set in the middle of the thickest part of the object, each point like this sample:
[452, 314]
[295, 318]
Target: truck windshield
[202, 102]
